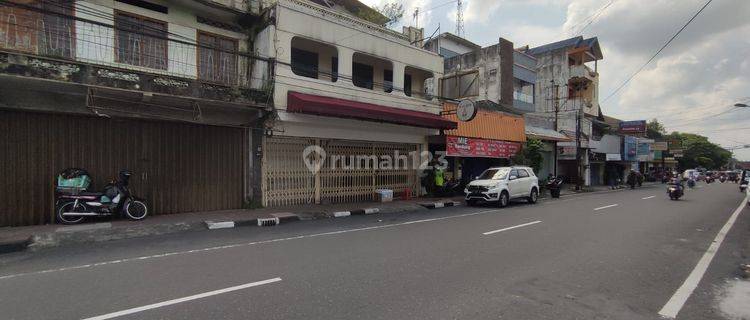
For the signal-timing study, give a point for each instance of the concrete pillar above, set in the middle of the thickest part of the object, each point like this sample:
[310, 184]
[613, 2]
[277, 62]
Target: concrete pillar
[586, 168]
[346, 58]
[398, 78]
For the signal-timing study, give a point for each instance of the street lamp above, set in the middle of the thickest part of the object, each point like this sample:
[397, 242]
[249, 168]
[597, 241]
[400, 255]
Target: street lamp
[741, 105]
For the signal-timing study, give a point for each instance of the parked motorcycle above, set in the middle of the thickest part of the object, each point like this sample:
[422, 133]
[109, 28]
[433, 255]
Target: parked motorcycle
[710, 179]
[74, 203]
[554, 185]
[723, 179]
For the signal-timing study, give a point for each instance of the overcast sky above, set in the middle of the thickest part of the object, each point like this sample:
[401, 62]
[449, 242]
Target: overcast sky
[690, 87]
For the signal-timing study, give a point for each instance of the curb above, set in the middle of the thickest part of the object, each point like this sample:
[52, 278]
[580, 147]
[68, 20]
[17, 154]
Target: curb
[273, 220]
[435, 205]
[356, 212]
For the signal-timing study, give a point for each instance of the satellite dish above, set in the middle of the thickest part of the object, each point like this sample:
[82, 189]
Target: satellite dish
[466, 110]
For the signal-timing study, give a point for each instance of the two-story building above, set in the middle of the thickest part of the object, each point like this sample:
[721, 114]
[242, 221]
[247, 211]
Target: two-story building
[566, 90]
[171, 90]
[355, 89]
[485, 76]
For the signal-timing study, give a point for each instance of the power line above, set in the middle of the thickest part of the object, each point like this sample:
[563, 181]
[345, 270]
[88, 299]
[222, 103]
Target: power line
[580, 32]
[657, 52]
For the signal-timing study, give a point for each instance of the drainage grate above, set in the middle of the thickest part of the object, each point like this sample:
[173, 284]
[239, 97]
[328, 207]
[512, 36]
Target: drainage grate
[267, 222]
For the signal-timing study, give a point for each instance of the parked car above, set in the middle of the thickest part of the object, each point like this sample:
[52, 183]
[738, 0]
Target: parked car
[502, 184]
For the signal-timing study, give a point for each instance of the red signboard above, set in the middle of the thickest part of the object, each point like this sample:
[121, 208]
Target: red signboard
[471, 147]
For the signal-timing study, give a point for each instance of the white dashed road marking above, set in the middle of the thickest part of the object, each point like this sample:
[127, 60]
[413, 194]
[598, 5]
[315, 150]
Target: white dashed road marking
[605, 207]
[649, 197]
[181, 300]
[509, 228]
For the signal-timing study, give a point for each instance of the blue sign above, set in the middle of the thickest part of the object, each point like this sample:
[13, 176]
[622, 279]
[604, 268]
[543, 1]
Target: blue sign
[629, 151]
[643, 149]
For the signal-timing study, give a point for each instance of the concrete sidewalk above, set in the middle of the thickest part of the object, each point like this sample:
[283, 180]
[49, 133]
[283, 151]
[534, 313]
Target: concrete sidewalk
[105, 229]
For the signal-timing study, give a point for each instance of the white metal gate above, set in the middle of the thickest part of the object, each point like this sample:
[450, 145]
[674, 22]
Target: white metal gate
[346, 173]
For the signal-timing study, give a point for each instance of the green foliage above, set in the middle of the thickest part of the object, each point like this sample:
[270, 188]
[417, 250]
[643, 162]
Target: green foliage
[531, 155]
[393, 12]
[699, 152]
[655, 130]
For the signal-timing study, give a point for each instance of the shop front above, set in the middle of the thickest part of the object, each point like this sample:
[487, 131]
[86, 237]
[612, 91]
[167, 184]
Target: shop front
[332, 150]
[490, 139]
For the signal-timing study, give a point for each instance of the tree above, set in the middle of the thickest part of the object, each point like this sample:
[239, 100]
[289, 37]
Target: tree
[699, 152]
[394, 11]
[655, 130]
[531, 155]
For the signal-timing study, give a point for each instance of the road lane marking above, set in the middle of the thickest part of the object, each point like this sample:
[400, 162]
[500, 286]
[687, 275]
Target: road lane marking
[181, 300]
[605, 207]
[509, 228]
[675, 303]
[246, 244]
[649, 197]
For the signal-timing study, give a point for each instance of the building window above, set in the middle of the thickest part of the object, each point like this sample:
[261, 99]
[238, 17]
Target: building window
[217, 59]
[305, 63]
[363, 76]
[141, 41]
[44, 28]
[460, 85]
[523, 91]
[388, 81]
[315, 60]
[334, 69]
[418, 83]
[371, 72]
[407, 84]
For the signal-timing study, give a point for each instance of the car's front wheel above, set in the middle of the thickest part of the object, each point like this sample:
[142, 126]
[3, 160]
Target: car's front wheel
[504, 199]
[533, 196]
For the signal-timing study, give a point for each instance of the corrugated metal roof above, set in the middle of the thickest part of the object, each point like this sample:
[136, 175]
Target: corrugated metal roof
[545, 134]
[575, 42]
[488, 125]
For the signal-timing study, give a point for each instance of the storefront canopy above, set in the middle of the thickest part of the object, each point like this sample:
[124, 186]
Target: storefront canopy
[334, 107]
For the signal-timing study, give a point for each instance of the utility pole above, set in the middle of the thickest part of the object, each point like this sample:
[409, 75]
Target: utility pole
[556, 105]
[578, 147]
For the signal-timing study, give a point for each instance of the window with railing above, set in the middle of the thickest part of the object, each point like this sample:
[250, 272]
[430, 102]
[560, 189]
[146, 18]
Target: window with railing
[141, 41]
[38, 27]
[217, 58]
[312, 59]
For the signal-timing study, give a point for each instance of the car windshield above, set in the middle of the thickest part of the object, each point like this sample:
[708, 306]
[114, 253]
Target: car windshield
[494, 174]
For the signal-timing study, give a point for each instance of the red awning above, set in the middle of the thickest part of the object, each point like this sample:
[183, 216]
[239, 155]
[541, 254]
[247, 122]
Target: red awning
[334, 107]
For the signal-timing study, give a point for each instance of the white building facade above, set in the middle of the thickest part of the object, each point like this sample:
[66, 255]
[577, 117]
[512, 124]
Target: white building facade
[351, 87]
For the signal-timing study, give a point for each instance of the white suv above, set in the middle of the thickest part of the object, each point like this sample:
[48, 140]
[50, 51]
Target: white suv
[501, 184]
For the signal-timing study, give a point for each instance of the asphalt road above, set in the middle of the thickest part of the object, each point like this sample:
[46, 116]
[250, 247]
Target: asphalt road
[616, 255]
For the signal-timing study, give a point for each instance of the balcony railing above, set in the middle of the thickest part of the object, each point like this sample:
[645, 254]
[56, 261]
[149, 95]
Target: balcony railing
[582, 71]
[128, 44]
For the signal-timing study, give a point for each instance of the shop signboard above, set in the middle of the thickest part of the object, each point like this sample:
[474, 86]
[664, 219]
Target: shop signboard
[643, 149]
[660, 146]
[629, 148]
[633, 127]
[614, 157]
[482, 148]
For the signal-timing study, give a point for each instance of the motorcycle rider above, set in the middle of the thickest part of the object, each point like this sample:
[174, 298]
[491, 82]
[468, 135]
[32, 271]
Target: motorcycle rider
[632, 179]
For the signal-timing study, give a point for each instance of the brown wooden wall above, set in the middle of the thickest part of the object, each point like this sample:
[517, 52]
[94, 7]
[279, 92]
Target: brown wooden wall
[177, 167]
